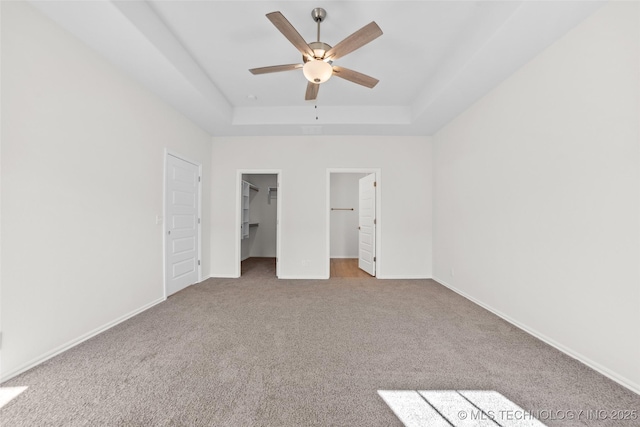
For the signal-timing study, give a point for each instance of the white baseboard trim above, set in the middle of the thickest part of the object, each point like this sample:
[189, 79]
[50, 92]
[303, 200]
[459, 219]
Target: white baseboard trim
[625, 382]
[402, 277]
[303, 277]
[74, 342]
[224, 276]
[344, 257]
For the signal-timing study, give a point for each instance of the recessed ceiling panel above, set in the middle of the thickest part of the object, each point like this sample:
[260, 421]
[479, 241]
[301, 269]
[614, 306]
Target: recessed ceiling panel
[433, 60]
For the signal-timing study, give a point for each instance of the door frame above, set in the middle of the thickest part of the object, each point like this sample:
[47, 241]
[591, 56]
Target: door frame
[378, 174]
[238, 234]
[163, 220]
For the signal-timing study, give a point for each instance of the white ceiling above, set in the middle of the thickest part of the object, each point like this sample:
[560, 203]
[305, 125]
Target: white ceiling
[433, 61]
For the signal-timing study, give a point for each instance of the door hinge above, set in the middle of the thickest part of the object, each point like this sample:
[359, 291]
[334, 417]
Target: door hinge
[198, 179]
[375, 221]
[198, 220]
[199, 262]
[375, 184]
[374, 259]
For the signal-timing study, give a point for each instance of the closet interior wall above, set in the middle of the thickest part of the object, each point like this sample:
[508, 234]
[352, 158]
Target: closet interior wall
[262, 217]
[343, 220]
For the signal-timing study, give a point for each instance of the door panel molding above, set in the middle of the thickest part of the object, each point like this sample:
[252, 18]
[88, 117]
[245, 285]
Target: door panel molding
[367, 224]
[181, 222]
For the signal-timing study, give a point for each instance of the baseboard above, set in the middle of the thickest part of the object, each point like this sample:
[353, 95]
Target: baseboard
[625, 382]
[70, 344]
[224, 276]
[344, 257]
[402, 277]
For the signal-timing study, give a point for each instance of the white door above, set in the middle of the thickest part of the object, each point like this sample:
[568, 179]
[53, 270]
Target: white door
[181, 224]
[367, 225]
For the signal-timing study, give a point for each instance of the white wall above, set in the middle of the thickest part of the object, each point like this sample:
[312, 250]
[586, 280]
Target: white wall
[344, 224]
[536, 195]
[405, 193]
[82, 182]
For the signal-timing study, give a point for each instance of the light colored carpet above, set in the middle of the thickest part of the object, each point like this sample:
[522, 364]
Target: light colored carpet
[259, 351]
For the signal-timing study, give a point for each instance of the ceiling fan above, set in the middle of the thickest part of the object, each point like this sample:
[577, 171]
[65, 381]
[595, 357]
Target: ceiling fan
[318, 57]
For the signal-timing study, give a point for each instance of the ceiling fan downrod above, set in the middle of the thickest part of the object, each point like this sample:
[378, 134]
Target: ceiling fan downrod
[319, 48]
[318, 14]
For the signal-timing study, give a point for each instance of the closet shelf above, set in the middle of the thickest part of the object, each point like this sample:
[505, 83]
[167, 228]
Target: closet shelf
[272, 194]
[254, 224]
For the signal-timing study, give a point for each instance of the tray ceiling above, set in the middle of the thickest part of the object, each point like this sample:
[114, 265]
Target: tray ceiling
[434, 60]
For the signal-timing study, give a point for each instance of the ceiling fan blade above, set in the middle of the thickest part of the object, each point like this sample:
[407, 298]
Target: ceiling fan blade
[355, 77]
[290, 32]
[312, 91]
[275, 68]
[356, 40]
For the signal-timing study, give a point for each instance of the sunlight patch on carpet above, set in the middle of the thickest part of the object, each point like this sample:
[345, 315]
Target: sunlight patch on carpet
[458, 408]
[9, 393]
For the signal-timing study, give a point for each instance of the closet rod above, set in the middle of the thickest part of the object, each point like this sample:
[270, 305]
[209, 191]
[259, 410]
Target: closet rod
[341, 209]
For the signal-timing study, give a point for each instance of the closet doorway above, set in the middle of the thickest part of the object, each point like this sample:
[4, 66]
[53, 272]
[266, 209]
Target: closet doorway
[353, 222]
[259, 204]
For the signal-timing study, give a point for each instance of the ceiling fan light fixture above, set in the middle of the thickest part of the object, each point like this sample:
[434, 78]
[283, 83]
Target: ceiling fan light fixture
[317, 71]
[318, 56]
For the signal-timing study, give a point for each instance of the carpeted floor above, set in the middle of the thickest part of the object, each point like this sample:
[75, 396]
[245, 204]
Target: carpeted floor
[259, 351]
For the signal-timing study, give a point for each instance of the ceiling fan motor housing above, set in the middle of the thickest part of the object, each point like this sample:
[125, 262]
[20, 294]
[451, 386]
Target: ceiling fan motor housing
[319, 50]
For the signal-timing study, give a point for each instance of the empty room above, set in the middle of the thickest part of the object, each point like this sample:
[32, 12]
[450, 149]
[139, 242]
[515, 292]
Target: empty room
[294, 213]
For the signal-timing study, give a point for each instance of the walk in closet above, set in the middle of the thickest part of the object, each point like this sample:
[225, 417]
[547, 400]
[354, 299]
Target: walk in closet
[259, 216]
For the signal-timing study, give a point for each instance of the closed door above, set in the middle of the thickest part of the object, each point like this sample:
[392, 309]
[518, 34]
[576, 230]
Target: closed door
[182, 224]
[367, 224]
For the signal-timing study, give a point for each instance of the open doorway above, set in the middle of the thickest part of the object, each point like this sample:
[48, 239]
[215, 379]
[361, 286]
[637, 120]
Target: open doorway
[352, 223]
[258, 224]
